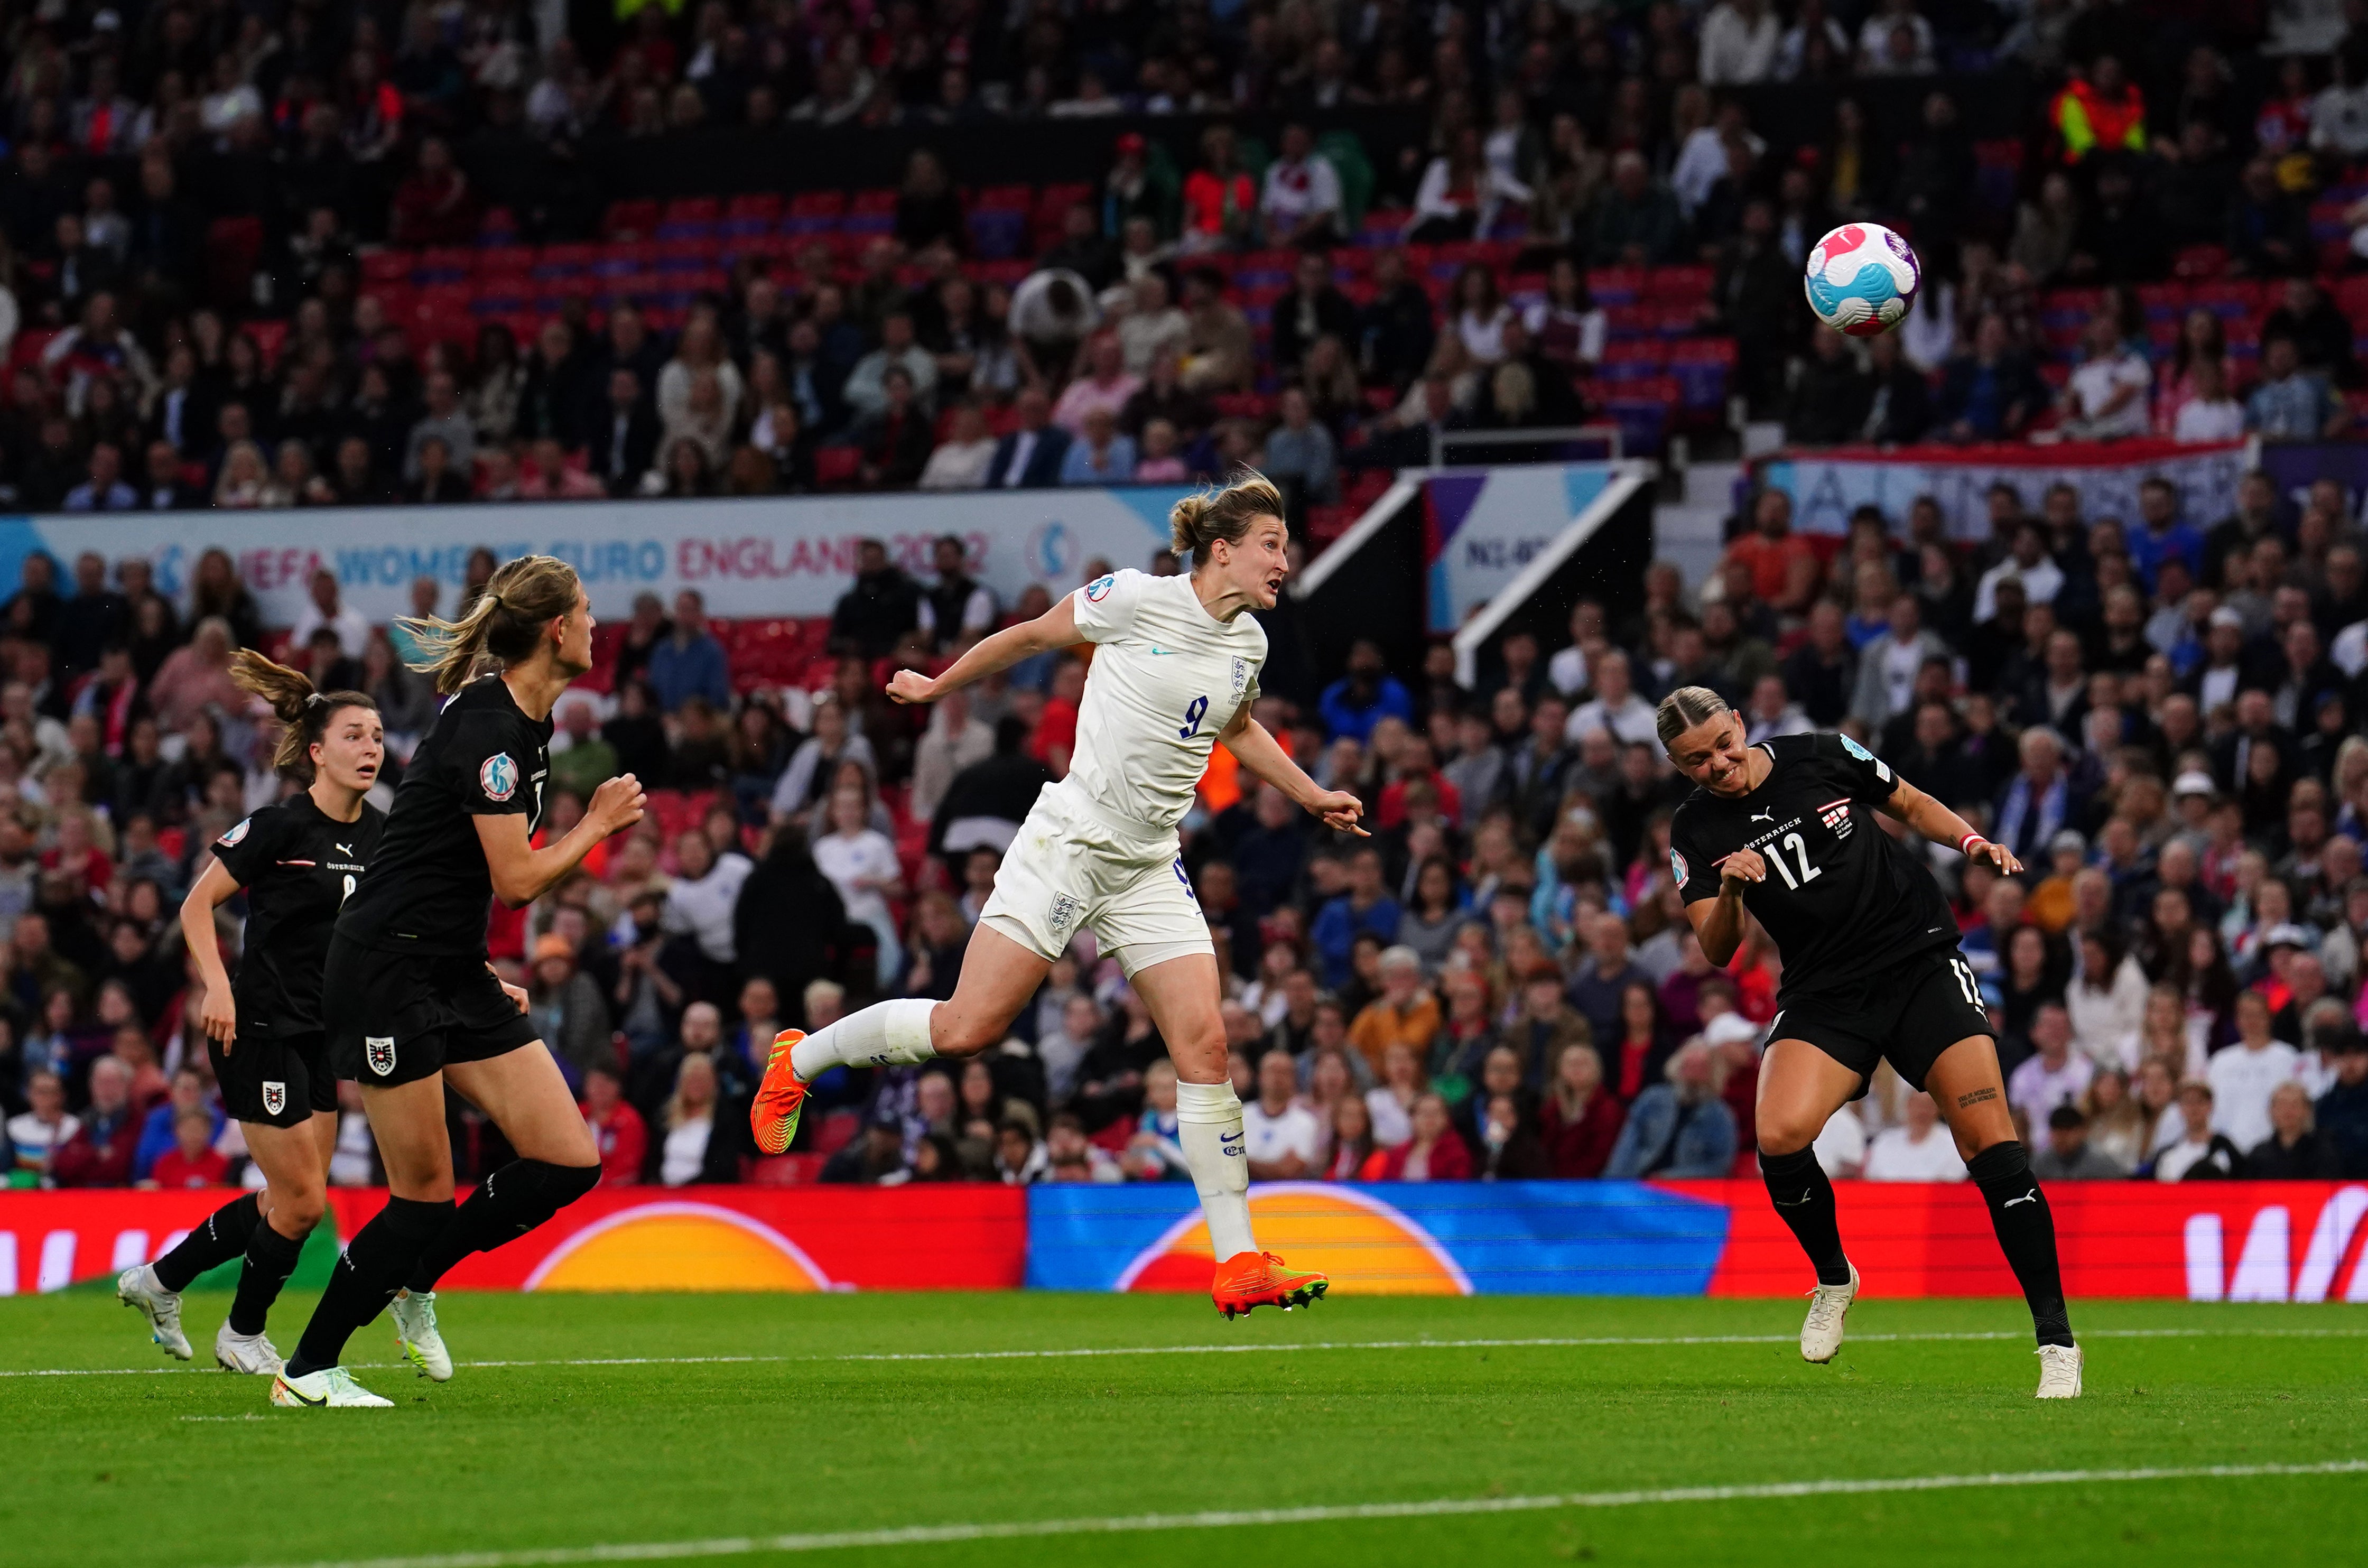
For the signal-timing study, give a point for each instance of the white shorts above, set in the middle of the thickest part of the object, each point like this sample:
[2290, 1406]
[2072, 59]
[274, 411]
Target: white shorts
[1068, 870]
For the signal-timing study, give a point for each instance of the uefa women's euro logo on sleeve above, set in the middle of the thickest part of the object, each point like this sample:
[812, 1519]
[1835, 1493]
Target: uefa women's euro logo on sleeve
[1098, 589]
[1678, 869]
[498, 777]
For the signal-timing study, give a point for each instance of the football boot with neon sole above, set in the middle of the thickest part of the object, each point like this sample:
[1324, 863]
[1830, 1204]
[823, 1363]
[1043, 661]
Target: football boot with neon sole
[774, 1116]
[1251, 1279]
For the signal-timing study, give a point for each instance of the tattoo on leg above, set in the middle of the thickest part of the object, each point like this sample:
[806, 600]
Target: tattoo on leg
[1976, 1097]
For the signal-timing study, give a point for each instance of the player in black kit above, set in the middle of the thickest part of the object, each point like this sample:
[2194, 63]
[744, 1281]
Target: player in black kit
[412, 999]
[297, 860]
[1784, 830]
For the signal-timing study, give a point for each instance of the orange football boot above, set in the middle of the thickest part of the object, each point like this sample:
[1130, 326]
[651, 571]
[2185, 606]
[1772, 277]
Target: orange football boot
[1251, 1279]
[773, 1116]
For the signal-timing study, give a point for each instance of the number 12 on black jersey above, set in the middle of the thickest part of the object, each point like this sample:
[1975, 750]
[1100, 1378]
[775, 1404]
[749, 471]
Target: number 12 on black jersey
[1809, 873]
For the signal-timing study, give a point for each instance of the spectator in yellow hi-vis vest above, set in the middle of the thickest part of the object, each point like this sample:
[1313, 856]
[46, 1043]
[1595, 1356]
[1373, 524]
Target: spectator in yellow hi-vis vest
[2101, 111]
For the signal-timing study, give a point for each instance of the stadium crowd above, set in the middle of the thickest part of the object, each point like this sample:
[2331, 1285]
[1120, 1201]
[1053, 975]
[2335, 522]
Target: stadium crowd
[2158, 719]
[198, 308]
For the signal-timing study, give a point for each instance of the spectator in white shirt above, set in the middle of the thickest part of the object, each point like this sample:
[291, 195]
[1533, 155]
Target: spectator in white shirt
[1300, 203]
[2027, 564]
[2197, 1151]
[2106, 398]
[1840, 1146]
[1920, 1149]
[2209, 413]
[1567, 669]
[1882, 52]
[2108, 1000]
[861, 864]
[1280, 1137]
[1738, 43]
[327, 608]
[1616, 710]
[2057, 1075]
[2244, 1074]
[705, 890]
[2338, 115]
[960, 460]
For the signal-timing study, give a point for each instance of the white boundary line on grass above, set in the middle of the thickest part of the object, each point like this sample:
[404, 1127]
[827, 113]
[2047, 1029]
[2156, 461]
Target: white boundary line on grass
[1089, 1352]
[1015, 1529]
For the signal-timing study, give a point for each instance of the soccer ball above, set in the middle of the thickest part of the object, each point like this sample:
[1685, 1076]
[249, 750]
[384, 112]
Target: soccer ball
[1861, 279]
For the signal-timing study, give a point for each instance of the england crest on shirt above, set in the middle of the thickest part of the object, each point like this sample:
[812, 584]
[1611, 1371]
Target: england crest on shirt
[498, 777]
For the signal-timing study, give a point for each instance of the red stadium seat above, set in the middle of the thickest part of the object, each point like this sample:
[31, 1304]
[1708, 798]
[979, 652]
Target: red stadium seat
[835, 467]
[630, 219]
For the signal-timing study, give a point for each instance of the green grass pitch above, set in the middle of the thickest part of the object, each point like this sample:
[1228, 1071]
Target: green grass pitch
[607, 1429]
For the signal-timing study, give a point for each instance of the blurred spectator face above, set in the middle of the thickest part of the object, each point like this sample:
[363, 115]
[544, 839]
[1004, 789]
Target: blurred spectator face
[702, 1027]
[1278, 1079]
[110, 1087]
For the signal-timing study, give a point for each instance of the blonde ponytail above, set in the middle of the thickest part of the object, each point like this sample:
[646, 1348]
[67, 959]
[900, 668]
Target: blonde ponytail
[1200, 520]
[501, 628]
[304, 713]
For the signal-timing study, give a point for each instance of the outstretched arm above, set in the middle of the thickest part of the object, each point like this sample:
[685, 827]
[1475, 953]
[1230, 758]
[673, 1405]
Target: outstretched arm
[1056, 628]
[1259, 752]
[1942, 825]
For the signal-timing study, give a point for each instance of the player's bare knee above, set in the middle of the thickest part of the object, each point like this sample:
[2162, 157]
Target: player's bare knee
[961, 1036]
[295, 1211]
[1783, 1135]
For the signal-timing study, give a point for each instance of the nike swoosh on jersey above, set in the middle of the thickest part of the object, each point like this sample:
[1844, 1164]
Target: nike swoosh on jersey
[298, 862]
[1159, 652]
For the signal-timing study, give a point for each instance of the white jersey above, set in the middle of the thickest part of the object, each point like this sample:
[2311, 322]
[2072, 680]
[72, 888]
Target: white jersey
[1167, 678]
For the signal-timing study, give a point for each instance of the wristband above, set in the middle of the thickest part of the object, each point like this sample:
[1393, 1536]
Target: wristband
[1971, 842]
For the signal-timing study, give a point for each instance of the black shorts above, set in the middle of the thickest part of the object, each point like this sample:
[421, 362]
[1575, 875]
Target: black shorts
[276, 1082]
[397, 1017]
[1906, 1015]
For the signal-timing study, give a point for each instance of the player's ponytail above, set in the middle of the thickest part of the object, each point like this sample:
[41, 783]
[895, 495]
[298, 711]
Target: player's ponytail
[502, 628]
[304, 713]
[1685, 708]
[1200, 520]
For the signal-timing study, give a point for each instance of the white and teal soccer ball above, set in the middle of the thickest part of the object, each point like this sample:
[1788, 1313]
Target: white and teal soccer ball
[1860, 280]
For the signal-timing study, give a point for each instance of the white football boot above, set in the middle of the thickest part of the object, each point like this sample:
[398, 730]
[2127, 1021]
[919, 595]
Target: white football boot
[2059, 1372]
[414, 1331]
[139, 1287]
[1821, 1334]
[250, 1353]
[331, 1388]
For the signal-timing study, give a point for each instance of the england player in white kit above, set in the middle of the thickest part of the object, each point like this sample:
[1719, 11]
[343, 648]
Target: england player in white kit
[1175, 671]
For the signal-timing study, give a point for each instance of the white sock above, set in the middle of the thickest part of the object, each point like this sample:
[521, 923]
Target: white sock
[1209, 1125]
[886, 1034]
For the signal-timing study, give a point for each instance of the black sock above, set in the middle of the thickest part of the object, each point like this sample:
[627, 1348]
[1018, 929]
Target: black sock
[1805, 1198]
[505, 1206]
[366, 1277]
[270, 1259]
[220, 1237]
[2026, 1233]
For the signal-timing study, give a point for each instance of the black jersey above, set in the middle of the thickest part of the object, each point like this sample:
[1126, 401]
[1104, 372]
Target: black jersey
[298, 865]
[1843, 900]
[428, 890]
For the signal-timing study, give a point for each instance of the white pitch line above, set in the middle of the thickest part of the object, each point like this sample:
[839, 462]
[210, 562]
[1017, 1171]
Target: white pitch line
[1089, 1352]
[1132, 1524]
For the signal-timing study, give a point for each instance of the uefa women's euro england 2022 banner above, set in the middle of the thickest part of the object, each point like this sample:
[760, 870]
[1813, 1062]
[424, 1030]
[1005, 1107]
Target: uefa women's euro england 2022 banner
[2196, 1241]
[770, 556]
